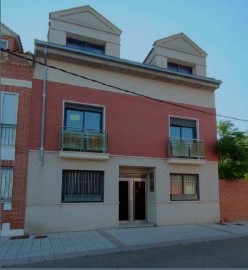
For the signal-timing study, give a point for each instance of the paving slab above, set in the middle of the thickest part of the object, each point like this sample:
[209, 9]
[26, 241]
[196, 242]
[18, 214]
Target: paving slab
[89, 243]
[143, 236]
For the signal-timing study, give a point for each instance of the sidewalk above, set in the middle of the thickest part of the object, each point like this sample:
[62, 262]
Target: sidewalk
[56, 246]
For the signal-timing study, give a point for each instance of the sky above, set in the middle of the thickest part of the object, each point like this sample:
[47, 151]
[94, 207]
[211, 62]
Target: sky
[219, 27]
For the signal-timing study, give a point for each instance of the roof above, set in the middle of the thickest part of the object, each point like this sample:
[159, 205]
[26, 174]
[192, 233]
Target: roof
[123, 65]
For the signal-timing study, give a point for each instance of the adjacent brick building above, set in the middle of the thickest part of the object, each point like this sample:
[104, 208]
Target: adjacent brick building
[16, 85]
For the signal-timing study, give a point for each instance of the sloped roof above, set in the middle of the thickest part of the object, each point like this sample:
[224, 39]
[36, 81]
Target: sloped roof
[5, 30]
[85, 16]
[181, 43]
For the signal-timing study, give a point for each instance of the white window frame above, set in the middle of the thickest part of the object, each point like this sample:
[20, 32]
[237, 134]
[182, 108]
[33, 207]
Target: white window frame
[186, 118]
[6, 42]
[8, 151]
[84, 104]
[2, 93]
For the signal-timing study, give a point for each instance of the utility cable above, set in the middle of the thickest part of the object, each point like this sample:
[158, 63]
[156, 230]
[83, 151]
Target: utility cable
[122, 89]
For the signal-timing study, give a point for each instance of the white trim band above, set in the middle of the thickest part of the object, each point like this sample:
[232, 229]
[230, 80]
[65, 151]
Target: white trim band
[15, 82]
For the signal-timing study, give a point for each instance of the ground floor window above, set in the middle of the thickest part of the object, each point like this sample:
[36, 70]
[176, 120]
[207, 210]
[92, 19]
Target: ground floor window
[6, 183]
[82, 186]
[184, 187]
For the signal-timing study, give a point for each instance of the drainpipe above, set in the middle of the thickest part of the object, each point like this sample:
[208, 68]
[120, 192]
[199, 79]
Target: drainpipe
[44, 77]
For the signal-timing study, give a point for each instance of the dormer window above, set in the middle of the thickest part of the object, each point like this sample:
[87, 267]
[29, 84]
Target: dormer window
[3, 44]
[85, 46]
[179, 68]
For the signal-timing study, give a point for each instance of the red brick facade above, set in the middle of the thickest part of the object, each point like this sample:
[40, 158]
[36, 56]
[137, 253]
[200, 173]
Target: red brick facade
[13, 44]
[18, 71]
[233, 200]
[139, 129]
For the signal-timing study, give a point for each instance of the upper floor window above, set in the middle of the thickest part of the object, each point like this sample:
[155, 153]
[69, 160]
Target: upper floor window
[83, 129]
[8, 107]
[85, 46]
[179, 68]
[3, 44]
[183, 142]
[82, 117]
[181, 128]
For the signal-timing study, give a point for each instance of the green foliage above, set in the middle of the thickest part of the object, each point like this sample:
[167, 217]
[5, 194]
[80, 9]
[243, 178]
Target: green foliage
[232, 149]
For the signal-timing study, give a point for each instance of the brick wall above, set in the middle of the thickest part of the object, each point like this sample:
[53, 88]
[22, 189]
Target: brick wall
[16, 215]
[136, 126]
[233, 200]
[12, 43]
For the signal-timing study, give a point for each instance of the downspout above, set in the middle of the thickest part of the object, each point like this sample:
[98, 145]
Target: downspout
[44, 90]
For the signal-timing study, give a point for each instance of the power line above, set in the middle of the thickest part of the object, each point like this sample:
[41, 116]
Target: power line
[122, 89]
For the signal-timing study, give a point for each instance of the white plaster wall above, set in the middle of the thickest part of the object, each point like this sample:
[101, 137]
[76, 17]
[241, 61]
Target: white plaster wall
[152, 88]
[45, 212]
[206, 210]
[59, 30]
[160, 56]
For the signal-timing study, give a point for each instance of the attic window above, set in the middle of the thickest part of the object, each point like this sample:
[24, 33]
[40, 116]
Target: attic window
[3, 44]
[85, 46]
[179, 68]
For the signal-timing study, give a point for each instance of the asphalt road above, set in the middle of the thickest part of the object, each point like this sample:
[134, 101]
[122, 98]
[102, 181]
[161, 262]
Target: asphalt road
[226, 253]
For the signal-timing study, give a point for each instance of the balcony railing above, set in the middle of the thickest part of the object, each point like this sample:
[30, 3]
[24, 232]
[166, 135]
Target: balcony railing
[83, 140]
[8, 135]
[183, 148]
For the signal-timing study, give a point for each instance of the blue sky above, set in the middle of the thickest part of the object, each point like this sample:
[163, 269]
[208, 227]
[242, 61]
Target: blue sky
[219, 27]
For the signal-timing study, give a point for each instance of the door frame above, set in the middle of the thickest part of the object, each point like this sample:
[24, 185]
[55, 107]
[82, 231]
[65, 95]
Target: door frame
[131, 198]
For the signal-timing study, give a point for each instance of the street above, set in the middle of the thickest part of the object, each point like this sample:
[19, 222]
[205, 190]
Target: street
[208, 254]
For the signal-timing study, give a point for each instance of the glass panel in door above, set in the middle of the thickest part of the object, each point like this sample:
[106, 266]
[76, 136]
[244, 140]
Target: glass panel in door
[124, 200]
[139, 200]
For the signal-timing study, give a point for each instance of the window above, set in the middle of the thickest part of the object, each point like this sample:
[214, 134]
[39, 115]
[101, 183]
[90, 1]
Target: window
[182, 128]
[179, 68]
[184, 187]
[4, 44]
[6, 183]
[8, 106]
[83, 129]
[183, 142]
[85, 46]
[82, 186]
[81, 117]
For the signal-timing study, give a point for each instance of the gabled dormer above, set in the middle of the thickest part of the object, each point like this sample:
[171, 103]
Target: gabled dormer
[10, 40]
[178, 53]
[85, 29]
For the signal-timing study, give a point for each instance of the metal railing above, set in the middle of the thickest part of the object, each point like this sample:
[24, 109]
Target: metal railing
[8, 135]
[184, 148]
[83, 140]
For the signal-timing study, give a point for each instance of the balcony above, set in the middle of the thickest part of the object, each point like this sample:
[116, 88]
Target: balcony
[186, 151]
[83, 144]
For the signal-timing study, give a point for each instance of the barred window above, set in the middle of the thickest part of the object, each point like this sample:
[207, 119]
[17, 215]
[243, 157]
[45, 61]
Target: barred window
[184, 187]
[6, 184]
[82, 186]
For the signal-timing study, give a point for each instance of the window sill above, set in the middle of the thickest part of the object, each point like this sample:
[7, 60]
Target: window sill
[83, 155]
[188, 161]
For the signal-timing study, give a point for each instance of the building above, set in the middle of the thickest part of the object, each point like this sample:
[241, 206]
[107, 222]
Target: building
[116, 142]
[15, 104]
